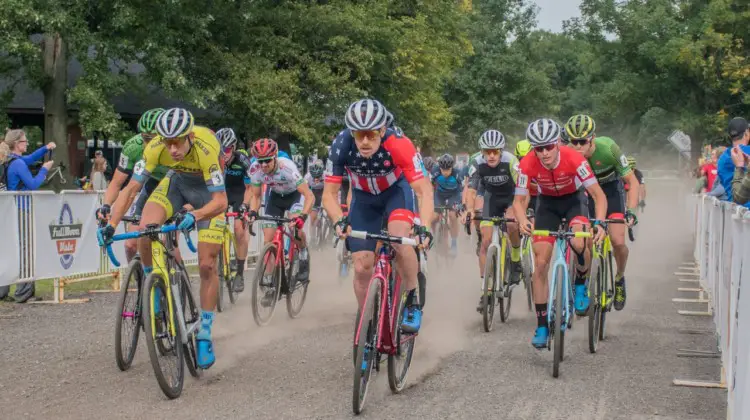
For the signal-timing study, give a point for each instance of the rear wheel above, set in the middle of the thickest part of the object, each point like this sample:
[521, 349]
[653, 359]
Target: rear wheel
[163, 337]
[191, 315]
[365, 345]
[527, 263]
[266, 285]
[608, 283]
[399, 363]
[223, 271]
[297, 291]
[505, 291]
[488, 289]
[128, 321]
[557, 333]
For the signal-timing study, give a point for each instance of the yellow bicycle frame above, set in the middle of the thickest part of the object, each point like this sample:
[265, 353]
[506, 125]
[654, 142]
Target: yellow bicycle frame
[602, 251]
[159, 261]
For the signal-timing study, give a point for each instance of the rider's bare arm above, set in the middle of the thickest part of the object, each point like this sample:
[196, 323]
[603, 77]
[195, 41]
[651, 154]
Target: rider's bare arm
[118, 180]
[215, 207]
[633, 191]
[255, 194]
[248, 195]
[305, 190]
[600, 200]
[423, 189]
[124, 201]
[330, 200]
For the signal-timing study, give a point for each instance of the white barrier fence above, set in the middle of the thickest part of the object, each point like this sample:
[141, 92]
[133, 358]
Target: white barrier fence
[722, 252]
[51, 235]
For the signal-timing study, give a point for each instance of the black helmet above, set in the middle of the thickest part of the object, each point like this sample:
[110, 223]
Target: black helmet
[446, 161]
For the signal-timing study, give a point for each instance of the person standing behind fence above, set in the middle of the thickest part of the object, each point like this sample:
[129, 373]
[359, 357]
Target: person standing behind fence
[98, 167]
[18, 176]
[739, 134]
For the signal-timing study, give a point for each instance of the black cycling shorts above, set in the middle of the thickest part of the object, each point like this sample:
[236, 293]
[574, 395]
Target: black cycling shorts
[277, 204]
[235, 198]
[495, 206]
[615, 199]
[551, 210]
[318, 198]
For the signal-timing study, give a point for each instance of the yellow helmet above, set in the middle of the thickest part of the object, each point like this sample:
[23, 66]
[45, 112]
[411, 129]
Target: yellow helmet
[580, 126]
[522, 148]
[631, 162]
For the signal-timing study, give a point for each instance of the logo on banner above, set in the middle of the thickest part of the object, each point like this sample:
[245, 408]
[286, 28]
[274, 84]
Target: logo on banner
[66, 233]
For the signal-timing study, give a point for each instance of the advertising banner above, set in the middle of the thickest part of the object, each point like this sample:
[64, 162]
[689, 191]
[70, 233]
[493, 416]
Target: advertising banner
[9, 258]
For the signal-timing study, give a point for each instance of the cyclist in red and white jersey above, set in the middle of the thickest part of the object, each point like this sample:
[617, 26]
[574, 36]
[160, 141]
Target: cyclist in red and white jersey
[561, 174]
[385, 172]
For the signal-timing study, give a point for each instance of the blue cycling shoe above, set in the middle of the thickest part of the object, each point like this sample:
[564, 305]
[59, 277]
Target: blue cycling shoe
[205, 356]
[541, 335]
[412, 319]
[582, 299]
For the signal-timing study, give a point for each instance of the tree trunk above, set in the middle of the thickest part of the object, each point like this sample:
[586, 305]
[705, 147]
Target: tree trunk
[55, 61]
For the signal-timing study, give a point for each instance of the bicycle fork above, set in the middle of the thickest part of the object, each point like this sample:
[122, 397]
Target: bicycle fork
[567, 291]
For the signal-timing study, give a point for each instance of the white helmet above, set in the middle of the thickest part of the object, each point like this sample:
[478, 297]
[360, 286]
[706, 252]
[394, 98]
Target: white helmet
[492, 139]
[542, 132]
[175, 122]
[366, 114]
[226, 137]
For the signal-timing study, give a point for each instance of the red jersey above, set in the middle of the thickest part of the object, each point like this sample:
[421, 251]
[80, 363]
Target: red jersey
[709, 171]
[571, 173]
[396, 158]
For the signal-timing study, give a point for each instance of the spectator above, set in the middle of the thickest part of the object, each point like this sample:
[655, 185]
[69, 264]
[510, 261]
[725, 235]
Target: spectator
[708, 171]
[98, 168]
[739, 134]
[718, 190]
[18, 175]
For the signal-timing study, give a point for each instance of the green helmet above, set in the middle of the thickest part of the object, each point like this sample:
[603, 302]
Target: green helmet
[147, 122]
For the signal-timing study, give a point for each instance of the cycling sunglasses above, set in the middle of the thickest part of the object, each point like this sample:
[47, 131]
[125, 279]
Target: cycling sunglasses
[228, 150]
[581, 142]
[492, 152]
[265, 161]
[549, 147]
[361, 134]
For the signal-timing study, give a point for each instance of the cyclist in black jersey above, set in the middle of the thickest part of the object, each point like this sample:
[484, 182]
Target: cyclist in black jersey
[237, 182]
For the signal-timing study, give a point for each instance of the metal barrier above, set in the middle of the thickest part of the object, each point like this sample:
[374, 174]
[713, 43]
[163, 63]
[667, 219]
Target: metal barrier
[22, 214]
[722, 250]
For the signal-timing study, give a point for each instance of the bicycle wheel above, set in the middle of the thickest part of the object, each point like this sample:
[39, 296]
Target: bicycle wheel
[557, 333]
[488, 289]
[366, 345]
[265, 296]
[527, 263]
[296, 291]
[232, 270]
[191, 315]
[608, 283]
[505, 291]
[399, 362]
[222, 269]
[168, 360]
[596, 296]
[128, 320]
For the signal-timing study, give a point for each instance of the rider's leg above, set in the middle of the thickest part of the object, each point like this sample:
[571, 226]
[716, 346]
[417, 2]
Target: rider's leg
[363, 263]
[400, 223]
[540, 289]
[153, 213]
[241, 238]
[515, 246]
[210, 236]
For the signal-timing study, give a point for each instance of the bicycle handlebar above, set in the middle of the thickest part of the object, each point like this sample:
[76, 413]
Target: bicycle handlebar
[557, 234]
[146, 232]
[359, 234]
[622, 222]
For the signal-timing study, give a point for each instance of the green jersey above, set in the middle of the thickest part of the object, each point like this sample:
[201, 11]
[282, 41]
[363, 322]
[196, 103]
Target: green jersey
[132, 153]
[608, 162]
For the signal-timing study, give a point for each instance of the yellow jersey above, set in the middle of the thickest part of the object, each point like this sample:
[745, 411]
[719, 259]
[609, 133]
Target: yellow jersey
[201, 160]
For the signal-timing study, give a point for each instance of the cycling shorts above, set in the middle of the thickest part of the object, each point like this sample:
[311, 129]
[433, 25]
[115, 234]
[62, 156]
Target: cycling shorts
[447, 199]
[495, 206]
[136, 209]
[318, 198]
[278, 204]
[369, 212]
[235, 198]
[177, 190]
[615, 200]
[343, 192]
[551, 210]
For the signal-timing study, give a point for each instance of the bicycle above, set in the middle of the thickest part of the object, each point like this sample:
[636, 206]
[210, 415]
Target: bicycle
[496, 285]
[172, 324]
[57, 171]
[559, 313]
[602, 294]
[227, 267]
[527, 263]
[378, 331]
[343, 255]
[276, 273]
[442, 232]
[128, 315]
[320, 230]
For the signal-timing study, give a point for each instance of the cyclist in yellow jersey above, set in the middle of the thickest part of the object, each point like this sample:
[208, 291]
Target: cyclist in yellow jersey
[195, 182]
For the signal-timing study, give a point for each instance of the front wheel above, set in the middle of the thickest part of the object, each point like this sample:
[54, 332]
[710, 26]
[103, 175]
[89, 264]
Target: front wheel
[488, 289]
[399, 363]
[128, 321]
[266, 285]
[527, 263]
[506, 291]
[596, 297]
[558, 322]
[297, 291]
[366, 346]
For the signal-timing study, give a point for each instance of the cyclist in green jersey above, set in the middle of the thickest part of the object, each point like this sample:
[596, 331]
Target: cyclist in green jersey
[132, 153]
[611, 168]
[474, 161]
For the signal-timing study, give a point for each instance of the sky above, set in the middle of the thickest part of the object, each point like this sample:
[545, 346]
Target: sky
[553, 12]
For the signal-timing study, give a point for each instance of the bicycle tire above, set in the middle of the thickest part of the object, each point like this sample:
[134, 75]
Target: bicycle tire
[609, 283]
[368, 332]
[171, 388]
[268, 254]
[222, 279]
[404, 351]
[557, 334]
[488, 290]
[527, 263]
[506, 292]
[128, 316]
[595, 292]
[191, 315]
[293, 309]
[232, 268]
